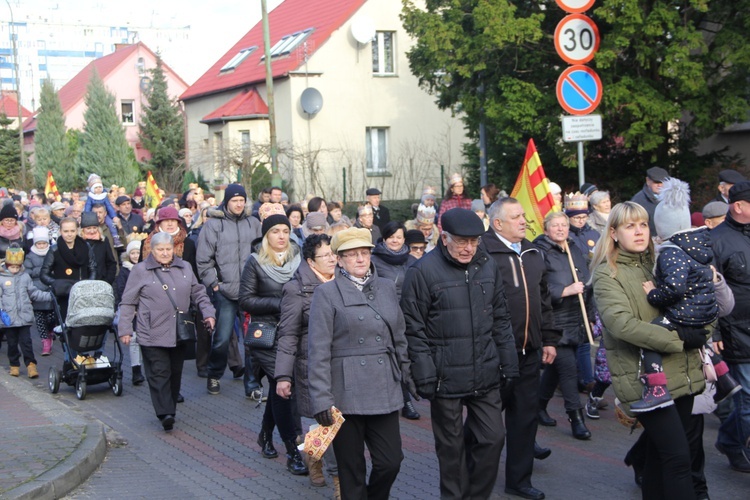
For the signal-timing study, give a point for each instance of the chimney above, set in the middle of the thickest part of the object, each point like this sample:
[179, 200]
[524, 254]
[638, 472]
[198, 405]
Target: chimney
[119, 46]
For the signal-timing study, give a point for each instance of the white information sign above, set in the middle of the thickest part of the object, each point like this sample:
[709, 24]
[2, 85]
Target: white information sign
[582, 128]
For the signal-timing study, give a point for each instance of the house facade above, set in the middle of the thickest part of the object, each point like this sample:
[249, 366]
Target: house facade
[125, 73]
[348, 112]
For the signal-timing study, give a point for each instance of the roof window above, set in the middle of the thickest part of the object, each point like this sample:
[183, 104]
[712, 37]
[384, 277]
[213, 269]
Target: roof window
[237, 59]
[289, 42]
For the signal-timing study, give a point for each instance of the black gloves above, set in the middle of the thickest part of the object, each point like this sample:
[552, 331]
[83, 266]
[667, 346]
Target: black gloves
[692, 337]
[324, 418]
[427, 391]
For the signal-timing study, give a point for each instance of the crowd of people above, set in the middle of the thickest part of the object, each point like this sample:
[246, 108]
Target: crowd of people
[320, 313]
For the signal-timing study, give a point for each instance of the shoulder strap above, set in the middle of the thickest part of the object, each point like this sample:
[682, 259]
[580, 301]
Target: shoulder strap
[166, 289]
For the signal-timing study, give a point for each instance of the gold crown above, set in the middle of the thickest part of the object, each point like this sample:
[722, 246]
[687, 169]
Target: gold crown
[429, 190]
[425, 215]
[268, 209]
[576, 201]
[455, 179]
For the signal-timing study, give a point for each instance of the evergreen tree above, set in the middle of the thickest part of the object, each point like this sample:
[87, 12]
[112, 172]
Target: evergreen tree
[163, 132]
[51, 152]
[104, 149]
[10, 154]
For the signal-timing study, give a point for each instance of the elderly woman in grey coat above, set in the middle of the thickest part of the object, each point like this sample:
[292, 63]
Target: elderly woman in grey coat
[357, 360]
[145, 298]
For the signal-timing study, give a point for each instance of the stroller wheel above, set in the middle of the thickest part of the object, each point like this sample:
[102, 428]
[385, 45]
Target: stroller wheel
[81, 388]
[53, 380]
[115, 382]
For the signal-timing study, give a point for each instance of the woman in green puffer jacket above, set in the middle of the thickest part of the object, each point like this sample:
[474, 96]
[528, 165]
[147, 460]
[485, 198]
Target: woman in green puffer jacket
[623, 261]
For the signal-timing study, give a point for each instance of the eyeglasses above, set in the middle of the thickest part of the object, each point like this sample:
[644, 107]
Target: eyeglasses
[417, 248]
[464, 242]
[326, 256]
[579, 217]
[356, 254]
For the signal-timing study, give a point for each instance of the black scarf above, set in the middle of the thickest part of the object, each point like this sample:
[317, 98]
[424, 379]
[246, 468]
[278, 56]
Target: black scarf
[390, 257]
[78, 256]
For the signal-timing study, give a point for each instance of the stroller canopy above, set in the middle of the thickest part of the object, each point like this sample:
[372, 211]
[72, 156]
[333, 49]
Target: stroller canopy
[91, 302]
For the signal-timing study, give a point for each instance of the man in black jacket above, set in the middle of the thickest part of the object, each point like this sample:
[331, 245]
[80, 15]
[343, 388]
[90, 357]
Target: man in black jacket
[461, 347]
[731, 244]
[523, 270]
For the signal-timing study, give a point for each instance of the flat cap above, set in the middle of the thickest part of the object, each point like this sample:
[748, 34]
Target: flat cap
[715, 209]
[462, 222]
[353, 237]
[731, 176]
[58, 206]
[740, 192]
[657, 174]
[122, 199]
[373, 192]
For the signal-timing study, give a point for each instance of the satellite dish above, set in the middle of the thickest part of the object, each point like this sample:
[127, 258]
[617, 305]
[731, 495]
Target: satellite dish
[363, 29]
[311, 101]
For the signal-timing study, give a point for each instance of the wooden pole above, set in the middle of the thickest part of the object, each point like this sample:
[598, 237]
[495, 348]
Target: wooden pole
[580, 295]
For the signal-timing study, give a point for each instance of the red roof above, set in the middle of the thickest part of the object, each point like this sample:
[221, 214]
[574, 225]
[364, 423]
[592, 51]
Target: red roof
[9, 105]
[247, 104]
[75, 90]
[291, 16]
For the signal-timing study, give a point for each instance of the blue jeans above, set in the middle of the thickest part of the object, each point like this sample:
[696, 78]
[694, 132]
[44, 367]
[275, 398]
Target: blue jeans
[226, 312]
[734, 432]
[583, 359]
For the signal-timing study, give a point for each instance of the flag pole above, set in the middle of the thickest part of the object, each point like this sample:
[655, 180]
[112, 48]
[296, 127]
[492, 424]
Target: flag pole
[580, 295]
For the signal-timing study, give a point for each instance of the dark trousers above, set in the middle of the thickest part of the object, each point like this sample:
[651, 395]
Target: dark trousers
[564, 371]
[468, 453]
[694, 432]
[521, 405]
[163, 366]
[19, 336]
[667, 470]
[279, 412]
[382, 436]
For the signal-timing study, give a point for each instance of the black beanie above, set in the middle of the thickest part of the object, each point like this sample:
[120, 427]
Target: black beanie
[273, 220]
[8, 212]
[233, 190]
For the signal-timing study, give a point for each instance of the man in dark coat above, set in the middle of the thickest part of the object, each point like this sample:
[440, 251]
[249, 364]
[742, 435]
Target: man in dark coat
[727, 179]
[647, 197]
[381, 214]
[462, 351]
[731, 244]
[130, 221]
[523, 272]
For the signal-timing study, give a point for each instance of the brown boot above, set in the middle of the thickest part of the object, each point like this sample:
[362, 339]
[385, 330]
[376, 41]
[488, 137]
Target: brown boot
[15, 371]
[317, 478]
[336, 488]
[32, 371]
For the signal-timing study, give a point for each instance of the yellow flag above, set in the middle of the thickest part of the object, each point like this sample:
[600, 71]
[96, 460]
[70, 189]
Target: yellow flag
[51, 187]
[152, 191]
[532, 192]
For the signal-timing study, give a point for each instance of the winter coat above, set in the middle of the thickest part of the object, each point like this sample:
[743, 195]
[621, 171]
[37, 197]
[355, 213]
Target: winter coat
[381, 216]
[121, 281]
[224, 245]
[567, 310]
[457, 325]
[260, 295]
[33, 266]
[627, 315]
[145, 299]
[731, 245]
[106, 265]
[133, 224]
[356, 347]
[684, 281]
[392, 267]
[60, 274]
[291, 353]
[585, 239]
[17, 291]
[647, 199]
[526, 290]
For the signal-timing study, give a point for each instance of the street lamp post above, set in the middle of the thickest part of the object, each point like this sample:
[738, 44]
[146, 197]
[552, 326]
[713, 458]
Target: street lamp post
[14, 44]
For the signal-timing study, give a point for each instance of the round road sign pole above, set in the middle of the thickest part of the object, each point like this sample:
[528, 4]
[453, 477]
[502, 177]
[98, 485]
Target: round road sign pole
[581, 173]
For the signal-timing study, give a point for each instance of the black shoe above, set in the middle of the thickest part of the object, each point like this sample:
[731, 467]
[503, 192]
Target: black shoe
[726, 387]
[525, 492]
[294, 462]
[238, 371]
[545, 419]
[541, 453]
[180, 398]
[203, 373]
[577, 425]
[138, 377]
[737, 459]
[266, 445]
[408, 411]
[167, 421]
[637, 468]
[213, 385]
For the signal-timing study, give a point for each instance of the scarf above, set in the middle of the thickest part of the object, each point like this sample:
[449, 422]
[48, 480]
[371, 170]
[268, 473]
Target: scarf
[39, 251]
[178, 238]
[127, 264]
[78, 256]
[358, 282]
[390, 257]
[281, 274]
[11, 234]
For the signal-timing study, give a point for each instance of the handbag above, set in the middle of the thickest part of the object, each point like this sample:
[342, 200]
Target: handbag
[260, 335]
[185, 322]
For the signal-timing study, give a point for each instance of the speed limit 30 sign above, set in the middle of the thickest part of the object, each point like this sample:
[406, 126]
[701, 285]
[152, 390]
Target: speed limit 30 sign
[576, 39]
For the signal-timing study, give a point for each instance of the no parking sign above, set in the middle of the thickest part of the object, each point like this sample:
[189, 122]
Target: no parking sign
[579, 90]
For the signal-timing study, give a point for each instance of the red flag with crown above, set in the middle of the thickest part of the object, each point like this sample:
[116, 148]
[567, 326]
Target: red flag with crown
[533, 193]
[51, 187]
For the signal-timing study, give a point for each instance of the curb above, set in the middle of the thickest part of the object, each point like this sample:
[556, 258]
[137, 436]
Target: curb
[68, 474]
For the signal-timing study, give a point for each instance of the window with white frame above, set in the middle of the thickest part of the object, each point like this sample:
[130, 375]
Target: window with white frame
[383, 53]
[376, 149]
[237, 59]
[288, 43]
[127, 111]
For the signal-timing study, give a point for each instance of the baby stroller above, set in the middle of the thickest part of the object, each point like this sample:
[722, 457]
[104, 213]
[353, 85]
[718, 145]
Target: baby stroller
[91, 311]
